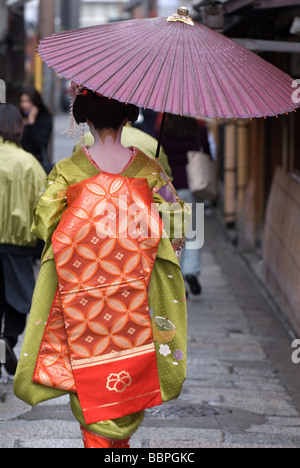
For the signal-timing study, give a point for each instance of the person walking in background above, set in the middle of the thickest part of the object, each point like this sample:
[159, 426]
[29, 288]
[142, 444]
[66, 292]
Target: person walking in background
[37, 125]
[148, 124]
[181, 135]
[22, 179]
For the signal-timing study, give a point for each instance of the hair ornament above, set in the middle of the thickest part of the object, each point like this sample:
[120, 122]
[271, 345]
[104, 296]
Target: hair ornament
[74, 130]
[75, 90]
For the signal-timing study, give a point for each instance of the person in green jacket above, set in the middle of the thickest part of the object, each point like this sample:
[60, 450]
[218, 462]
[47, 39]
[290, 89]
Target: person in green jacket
[21, 181]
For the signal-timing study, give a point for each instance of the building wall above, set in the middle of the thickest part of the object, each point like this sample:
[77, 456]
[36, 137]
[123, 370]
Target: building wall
[249, 154]
[168, 7]
[252, 151]
[163, 8]
[281, 246]
[12, 50]
[93, 12]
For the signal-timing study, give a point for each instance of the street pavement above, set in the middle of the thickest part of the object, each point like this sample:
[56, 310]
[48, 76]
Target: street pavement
[242, 388]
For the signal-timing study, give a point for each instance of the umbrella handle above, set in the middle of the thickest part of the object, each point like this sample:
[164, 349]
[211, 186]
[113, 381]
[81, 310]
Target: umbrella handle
[161, 134]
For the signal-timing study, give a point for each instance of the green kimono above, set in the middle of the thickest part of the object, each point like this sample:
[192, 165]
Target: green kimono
[167, 299]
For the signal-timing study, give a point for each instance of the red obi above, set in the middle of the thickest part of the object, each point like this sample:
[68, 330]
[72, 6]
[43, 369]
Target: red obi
[98, 341]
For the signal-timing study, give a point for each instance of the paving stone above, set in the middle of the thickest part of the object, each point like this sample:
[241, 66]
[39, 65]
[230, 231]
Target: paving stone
[258, 402]
[6, 442]
[263, 440]
[276, 430]
[181, 435]
[40, 429]
[10, 406]
[50, 443]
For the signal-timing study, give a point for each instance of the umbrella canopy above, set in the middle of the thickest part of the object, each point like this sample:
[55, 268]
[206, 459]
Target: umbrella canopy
[171, 66]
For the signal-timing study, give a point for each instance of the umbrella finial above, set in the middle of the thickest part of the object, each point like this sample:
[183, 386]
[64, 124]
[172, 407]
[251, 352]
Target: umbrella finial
[183, 11]
[182, 15]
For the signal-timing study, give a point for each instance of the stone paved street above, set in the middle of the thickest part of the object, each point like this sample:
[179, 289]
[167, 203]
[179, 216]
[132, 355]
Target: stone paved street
[242, 388]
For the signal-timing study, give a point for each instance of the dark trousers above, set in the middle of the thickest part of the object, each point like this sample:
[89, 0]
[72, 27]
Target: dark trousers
[12, 322]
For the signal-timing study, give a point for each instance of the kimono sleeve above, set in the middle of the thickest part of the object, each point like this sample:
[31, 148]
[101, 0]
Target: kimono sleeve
[176, 215]
[50, 209]
[167, 295]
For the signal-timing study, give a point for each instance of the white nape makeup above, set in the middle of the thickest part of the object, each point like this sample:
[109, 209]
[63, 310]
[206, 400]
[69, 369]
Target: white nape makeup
[107, 151]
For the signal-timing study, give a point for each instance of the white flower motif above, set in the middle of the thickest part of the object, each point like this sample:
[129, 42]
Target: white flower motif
[101, 279]
[164, 350]
[125, 293]
[119, 256]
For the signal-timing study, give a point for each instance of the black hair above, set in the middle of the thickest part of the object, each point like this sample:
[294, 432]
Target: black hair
[103, 112]
[11, 124]
[181, 126]
[36, 99]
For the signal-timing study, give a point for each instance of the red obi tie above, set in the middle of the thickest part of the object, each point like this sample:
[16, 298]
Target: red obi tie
[98, 341]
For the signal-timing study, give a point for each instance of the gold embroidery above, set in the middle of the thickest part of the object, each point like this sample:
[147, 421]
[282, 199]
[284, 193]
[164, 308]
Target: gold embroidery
[119, 382]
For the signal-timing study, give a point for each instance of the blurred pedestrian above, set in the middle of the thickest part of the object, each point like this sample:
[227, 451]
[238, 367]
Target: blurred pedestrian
[37, 125]
[181, 135]
[21, 181]
[148, 124]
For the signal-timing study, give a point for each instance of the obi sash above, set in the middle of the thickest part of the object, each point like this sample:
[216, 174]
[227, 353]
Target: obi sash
[98, 340]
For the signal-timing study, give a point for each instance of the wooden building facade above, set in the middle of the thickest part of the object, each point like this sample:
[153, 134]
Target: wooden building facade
[259, 159]
[249, 151]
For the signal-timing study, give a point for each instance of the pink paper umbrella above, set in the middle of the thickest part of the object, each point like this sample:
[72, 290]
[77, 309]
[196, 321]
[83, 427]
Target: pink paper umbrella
[171, 66]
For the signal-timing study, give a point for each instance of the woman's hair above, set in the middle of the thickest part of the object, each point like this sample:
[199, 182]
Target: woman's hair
[35, 97]
[102, 112]
[11, 124]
